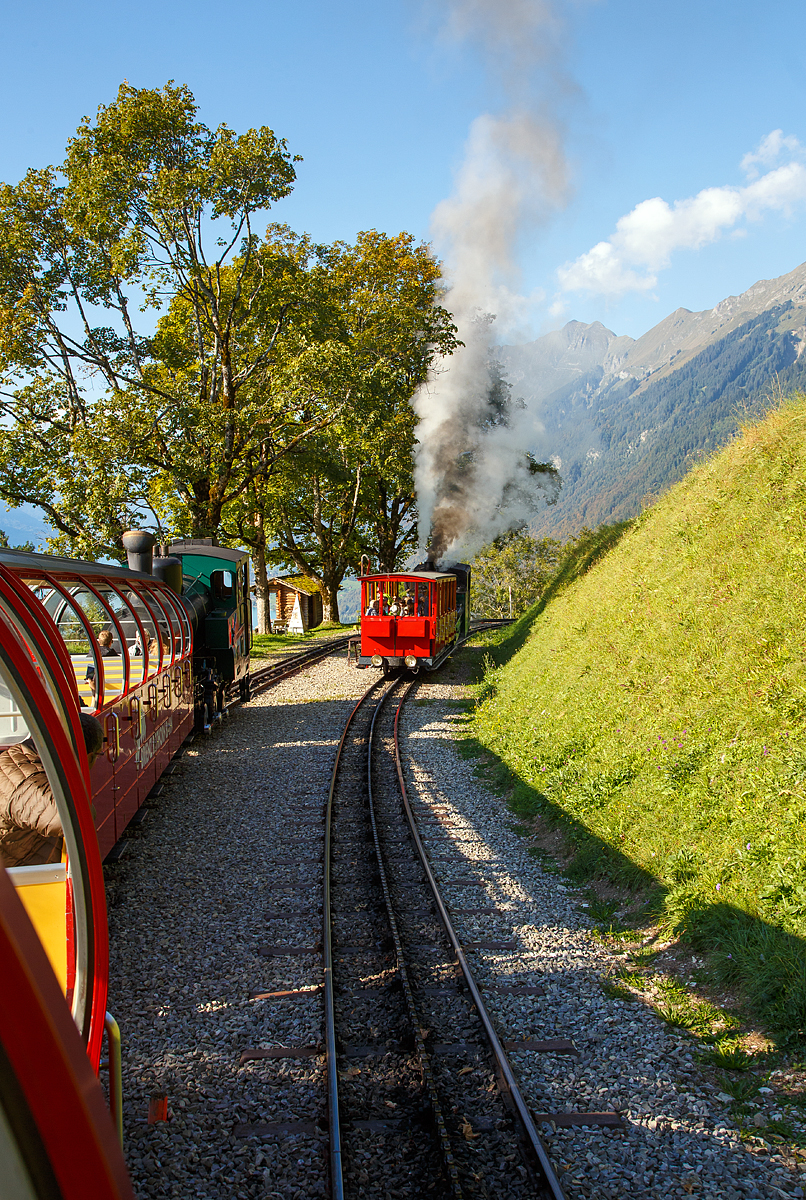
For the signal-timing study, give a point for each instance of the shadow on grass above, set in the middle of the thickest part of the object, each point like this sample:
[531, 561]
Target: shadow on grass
[764, 962]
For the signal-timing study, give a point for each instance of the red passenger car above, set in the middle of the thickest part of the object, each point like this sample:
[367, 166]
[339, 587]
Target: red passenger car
[125, 645]
[56, 1137]
[408, 619]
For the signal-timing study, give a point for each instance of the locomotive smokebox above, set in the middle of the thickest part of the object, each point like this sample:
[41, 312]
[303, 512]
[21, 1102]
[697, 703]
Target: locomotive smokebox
[139, 547]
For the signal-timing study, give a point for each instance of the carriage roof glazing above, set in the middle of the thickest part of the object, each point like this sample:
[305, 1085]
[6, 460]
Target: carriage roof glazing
[119, 627]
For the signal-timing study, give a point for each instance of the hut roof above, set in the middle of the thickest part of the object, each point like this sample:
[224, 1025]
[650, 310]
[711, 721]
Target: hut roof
[297, 583]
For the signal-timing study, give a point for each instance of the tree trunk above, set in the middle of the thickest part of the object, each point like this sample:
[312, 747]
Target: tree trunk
[330, 601]
[261, 580]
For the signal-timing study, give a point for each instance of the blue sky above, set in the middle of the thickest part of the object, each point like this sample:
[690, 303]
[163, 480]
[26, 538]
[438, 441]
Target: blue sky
[378, 99]
[651, 100]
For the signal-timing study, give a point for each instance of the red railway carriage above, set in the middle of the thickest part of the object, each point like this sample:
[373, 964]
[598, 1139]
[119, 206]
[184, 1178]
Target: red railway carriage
[56, 1137]
[407, 619]
[125, 646]
[40, 727]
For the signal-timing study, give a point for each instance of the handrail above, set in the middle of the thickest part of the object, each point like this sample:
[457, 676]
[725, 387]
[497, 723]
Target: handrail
[115, 1074]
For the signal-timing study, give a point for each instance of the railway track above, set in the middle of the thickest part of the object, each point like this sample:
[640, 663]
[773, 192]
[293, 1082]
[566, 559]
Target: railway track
[419, 1085]
[266, 677]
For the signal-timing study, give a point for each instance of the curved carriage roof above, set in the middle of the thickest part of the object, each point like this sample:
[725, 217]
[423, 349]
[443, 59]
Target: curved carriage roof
[206, 548]
[414, 576]
[77, 566]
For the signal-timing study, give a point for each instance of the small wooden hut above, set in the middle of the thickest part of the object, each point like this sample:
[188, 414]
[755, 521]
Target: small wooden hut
[299, 603]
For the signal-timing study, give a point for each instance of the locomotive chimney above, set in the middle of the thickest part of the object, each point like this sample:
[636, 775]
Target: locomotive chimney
[139, 547]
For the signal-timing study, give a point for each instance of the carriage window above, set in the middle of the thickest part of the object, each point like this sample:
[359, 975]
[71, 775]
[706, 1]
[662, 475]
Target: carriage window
[179, 623]
[109, 647]
[223, 584]
[73, 626]
[38, 841]
[137, 651]
[170, 628]
[117, 676]
[371, 600]
[12, 723]
[423, 607]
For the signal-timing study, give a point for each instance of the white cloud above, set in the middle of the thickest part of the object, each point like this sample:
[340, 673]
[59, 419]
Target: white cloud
[646, 238]
[769, 150]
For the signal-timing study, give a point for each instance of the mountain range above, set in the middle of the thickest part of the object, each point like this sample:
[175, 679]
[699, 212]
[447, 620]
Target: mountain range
[625, 418]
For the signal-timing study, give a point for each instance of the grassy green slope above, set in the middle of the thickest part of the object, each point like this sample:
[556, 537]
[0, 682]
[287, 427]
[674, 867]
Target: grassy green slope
[658, 711]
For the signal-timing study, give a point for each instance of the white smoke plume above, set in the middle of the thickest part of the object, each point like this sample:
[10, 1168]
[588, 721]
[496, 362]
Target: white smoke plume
[473, 477]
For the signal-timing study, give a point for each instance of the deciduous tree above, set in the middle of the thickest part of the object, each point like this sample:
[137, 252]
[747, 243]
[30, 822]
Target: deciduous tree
[106, 416]
[512, 572]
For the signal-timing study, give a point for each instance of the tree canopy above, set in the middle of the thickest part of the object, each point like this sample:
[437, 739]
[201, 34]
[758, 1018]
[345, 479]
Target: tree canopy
[170, 358]
[107, 416]
[512, 573]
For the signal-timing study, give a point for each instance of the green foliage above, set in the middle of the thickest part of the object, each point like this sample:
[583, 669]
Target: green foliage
[106, 421]
[656, 711]
[510, 574]
[729, 1054]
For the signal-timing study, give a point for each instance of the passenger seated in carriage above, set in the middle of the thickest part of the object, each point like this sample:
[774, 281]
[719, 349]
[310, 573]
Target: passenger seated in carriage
[105, 643]
[30, 826]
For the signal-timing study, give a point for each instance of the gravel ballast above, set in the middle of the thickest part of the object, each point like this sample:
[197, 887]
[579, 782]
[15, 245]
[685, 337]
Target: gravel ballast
[678, 1139]
[228, 864]
[230, 852]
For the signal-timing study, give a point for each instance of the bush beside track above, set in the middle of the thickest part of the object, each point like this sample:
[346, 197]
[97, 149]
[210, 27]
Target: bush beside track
[655, 711]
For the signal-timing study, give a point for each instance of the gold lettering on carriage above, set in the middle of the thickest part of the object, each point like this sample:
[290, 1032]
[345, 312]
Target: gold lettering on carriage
[147, 749]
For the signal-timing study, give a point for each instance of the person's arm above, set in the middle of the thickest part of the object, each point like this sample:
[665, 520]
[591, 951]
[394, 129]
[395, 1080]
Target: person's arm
[34, 808]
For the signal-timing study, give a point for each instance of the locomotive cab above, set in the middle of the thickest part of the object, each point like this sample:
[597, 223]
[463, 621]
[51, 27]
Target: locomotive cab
[216, 596]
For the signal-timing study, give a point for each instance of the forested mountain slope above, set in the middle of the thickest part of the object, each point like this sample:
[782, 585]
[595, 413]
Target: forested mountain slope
[657, 712]
[628, 418]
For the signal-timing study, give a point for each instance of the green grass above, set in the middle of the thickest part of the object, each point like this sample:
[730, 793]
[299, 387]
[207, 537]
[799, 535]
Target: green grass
[264, 645]
[653, 705]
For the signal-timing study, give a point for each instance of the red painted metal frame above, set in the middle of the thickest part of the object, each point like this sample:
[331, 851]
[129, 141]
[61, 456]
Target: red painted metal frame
[121, 780]
[54, 1104]
[41, 632]
[74, 769]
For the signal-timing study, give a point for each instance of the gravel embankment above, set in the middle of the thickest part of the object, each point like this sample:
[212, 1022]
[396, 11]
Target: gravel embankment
[230, 852]
[678, 1139]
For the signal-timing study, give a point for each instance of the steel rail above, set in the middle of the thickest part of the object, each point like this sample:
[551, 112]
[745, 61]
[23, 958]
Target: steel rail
[510, 1087]
[274, 672]
[334, 1125]
[422, 1051]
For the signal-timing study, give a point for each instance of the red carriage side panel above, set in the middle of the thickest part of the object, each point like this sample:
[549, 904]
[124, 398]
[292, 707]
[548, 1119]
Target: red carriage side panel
[61, 1138]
